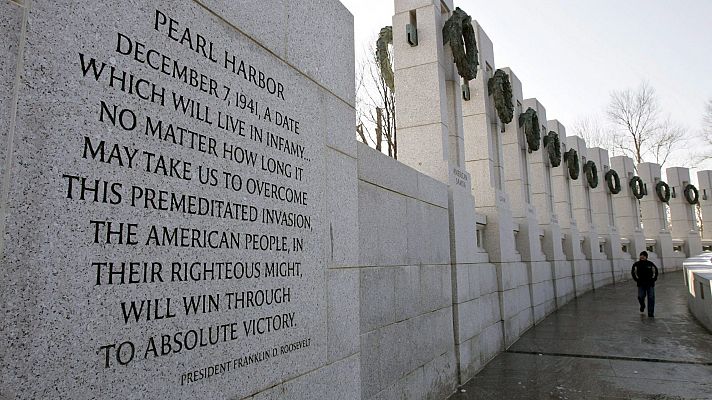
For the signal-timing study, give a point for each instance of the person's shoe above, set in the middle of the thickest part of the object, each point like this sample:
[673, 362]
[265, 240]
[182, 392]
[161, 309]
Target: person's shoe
[651, 316]
[642, 308]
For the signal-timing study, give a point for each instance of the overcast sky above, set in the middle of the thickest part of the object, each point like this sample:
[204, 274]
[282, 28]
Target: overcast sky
[571, 54]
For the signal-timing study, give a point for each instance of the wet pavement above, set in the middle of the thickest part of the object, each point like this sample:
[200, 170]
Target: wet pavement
[600, 346]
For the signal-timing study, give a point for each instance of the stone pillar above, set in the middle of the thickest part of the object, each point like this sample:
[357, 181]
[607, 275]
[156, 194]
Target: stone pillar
[583, 211]
[654, 212]
[604, 217]
[542, 199]
[519, 186]
[578, 280]
[683, 214]
[484, 160]
[422, 76]
[431, 140]
[627, 211]
[704, 185]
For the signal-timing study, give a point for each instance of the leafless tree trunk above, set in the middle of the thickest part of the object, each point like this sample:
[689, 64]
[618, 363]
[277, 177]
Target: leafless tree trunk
[595, 135]
[641, 132]
[375, 104]
[707, 124]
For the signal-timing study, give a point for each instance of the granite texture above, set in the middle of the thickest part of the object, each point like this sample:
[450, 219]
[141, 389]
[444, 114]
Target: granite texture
[342, 189]
[10, 28]
[405, 281]
[654, 218]
[382, 216]
[288, 29]
[343, 316]
[57, 316]
[267, 26]
[430, 39]
[336, 380]
[683, 218]
[407, 5]
[585, 351]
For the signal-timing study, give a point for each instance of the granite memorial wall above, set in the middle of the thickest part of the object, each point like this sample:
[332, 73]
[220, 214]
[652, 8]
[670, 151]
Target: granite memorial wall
[186, 212]
[165, 218]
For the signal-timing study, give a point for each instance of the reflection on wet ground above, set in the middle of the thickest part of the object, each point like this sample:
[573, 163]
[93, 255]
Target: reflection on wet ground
[600, 346]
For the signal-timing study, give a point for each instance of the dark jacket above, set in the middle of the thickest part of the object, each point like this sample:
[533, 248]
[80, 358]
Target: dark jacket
[645, 273]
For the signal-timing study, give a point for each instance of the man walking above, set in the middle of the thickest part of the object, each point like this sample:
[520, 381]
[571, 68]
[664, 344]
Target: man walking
[645, 273]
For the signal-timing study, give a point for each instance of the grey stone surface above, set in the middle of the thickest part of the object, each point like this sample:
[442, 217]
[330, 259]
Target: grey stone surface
[683, 219]
[704, 185]
[343, 322]
[407, 5]
[432, 191]
[57, 316]
[10, 28]
[421, 80]
[337, 380]
[377, 302]
[268, 27]
[654, 217]
[585, 351]
[382, 216]
[392, 355]
[700, 295]
[435, 287]
[429, 48]
[289, 30]
[408, 298]
[339, 119]
[416, 149]
[385, 172]
[323, 18]
[427, 233]
[342, 201]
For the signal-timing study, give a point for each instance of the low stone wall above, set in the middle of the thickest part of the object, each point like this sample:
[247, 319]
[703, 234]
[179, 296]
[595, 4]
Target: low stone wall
[698, 278]
[406, 312]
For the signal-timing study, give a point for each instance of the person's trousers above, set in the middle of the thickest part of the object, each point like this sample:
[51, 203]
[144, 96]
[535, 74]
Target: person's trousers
[648, 291]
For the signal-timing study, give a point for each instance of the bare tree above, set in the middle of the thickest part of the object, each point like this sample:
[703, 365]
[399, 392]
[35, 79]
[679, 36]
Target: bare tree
[669, 136]
[596, 135]
[641, 131]
[707, 122]
[375, 101]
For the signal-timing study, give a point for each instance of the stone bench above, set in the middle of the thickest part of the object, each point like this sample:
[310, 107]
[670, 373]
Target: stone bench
[698, 278]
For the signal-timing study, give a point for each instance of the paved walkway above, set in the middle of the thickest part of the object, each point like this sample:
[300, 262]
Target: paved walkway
[601, 347]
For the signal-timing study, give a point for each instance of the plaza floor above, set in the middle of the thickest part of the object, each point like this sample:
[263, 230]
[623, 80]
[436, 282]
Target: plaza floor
[600, 346]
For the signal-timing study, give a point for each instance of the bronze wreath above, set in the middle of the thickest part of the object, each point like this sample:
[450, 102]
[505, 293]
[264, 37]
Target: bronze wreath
[663, 191]
[690, 188]
[385, 37]
[591, 172]
[530, 121]
[456, 28]
[637, 187]
[500, 87]
[553, 147]
[613, 181]
[572, 162]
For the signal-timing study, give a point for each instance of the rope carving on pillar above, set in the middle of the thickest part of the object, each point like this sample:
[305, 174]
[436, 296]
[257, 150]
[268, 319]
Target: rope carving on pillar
[637, 187]
[501, 89]
[572, 162]
[460, 34]
[530, 121]
[662, 189]
[613, 181]
[385, 37]
[688, 192]
[591, 172]
[553, 148]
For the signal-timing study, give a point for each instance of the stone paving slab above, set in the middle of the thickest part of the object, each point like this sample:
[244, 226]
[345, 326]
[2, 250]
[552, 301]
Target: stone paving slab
[600, 346]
